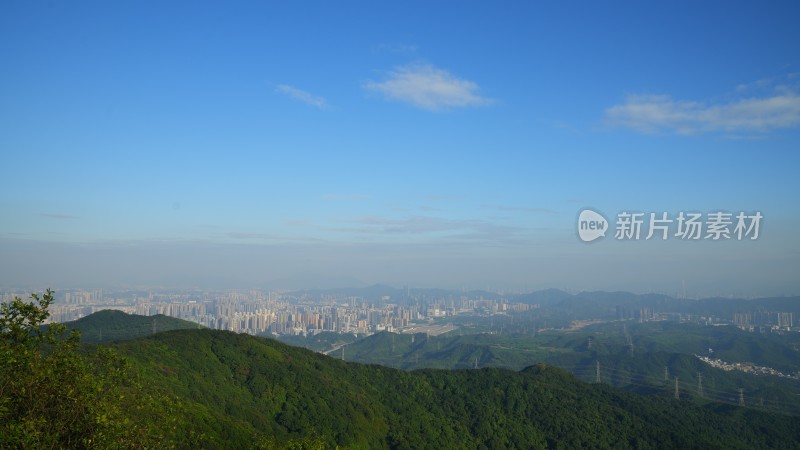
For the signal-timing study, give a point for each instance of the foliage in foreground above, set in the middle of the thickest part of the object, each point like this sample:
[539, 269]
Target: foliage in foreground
[52, 395]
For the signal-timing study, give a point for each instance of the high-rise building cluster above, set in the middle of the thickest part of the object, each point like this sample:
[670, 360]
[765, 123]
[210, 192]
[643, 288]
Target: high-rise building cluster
[260, 312]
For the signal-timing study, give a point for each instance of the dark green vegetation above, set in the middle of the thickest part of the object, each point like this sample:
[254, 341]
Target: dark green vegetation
[200, 388]
[110, 325]
[632, 355]
[517, 350]
[53, 396]
[244, 388]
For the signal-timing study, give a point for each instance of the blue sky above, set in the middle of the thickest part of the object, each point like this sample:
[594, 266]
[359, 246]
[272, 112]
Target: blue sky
[441, 144]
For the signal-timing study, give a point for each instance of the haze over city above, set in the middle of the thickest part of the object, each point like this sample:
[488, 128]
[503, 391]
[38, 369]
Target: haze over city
[450, 145]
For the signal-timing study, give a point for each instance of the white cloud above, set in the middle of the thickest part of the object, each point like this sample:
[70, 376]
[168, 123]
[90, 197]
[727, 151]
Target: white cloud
[303, 96]
[655, 113]
[427, 87]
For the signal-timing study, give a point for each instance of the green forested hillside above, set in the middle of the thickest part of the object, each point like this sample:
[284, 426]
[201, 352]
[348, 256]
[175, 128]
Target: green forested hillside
[658, 349]
[242, 390]
[200, 388]
[112, 325]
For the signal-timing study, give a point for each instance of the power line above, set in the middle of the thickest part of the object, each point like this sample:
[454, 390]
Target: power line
[627, 378]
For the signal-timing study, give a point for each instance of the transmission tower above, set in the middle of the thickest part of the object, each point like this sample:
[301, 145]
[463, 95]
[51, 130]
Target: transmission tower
[666, 374]
[741, 397]
[677, 392]
[597, 372]
[700, 384]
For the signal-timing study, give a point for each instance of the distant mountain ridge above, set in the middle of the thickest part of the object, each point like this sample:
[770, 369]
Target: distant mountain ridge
[591, 304]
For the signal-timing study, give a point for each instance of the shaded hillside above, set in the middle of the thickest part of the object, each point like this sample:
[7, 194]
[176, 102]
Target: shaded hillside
[642, 370]
[406, 351]
[112, 325]
[243, 390]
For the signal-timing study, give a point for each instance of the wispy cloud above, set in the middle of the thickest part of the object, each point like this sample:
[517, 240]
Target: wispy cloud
[428, 87]
[521, 209]
[452, 229]
[269, 237]
[297, 222]
[341, 197]
[58, 216]
[235, 235]
[410, 225]
[441, 198]
[660, 113]
[769, 83]
[303, 96]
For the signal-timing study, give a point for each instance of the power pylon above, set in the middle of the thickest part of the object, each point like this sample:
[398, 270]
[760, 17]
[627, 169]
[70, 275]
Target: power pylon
[700, 384]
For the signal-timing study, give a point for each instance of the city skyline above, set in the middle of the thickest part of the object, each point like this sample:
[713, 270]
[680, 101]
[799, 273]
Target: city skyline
[439, 145]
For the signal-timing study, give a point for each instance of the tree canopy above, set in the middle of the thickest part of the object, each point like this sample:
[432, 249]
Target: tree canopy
[55, 395]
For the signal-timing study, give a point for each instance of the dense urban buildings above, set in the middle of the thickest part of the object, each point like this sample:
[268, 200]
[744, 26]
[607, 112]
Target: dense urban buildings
[303, 313]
